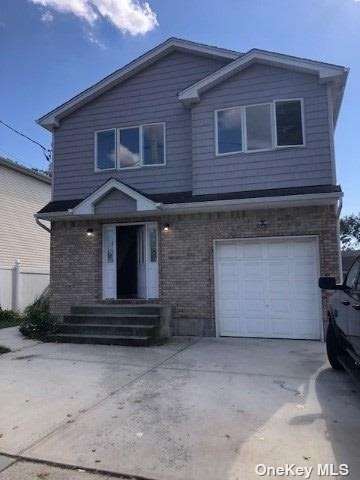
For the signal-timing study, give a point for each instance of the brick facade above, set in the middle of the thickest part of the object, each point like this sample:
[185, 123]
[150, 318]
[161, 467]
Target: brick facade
[185, 255]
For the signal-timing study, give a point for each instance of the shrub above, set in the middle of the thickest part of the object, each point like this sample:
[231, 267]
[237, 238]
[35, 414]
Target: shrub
[37, 322]
[9, 318]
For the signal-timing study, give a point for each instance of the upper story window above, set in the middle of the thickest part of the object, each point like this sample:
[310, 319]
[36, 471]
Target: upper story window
[229, 130]
[153, 144]
[256, 128]
[289, 124]
[105, 149]
[130, 147]
[128, 153]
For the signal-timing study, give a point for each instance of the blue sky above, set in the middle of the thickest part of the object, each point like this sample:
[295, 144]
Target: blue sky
[52, 49]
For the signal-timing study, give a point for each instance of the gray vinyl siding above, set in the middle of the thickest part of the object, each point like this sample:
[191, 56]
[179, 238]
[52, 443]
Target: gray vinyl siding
[281, 168]
[115, 202]
[148, 97]
[21, 196]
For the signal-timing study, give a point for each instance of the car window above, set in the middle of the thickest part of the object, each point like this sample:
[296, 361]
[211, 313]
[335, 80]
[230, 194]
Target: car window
[352, 278]
[357, 285]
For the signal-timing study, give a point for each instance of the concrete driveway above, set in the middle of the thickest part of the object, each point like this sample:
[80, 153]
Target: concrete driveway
[192, 409]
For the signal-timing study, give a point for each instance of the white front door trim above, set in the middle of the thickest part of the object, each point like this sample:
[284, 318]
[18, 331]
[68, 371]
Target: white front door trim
[249, 239]
[152, 268]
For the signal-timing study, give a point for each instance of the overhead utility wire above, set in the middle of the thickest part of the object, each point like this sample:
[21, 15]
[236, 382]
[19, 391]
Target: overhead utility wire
[46, 151]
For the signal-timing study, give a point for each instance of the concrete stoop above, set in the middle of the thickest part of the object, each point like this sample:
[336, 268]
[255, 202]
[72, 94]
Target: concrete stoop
[127, 324]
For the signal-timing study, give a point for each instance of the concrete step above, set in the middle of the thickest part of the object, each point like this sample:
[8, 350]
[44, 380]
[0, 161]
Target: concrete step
[107, 329]
[113, 319]
[134, 340]
[115, 324]
[117, 309]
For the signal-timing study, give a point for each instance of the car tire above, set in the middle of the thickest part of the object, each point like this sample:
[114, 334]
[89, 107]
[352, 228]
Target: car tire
[333, 349]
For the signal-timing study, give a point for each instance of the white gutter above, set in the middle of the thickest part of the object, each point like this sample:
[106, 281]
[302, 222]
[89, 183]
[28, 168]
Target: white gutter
[260, 202]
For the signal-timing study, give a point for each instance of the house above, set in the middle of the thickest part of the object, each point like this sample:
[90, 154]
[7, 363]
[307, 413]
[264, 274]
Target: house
[24, 247]
[202, 179]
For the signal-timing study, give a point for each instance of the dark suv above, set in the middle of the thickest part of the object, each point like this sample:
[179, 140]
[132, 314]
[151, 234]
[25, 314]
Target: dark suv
[343, 334]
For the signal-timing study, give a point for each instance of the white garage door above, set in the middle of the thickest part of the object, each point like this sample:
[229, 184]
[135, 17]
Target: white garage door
[268, 288]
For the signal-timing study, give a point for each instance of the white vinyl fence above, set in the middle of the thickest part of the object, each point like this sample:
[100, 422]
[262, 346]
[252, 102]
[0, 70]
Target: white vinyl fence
[20, 286]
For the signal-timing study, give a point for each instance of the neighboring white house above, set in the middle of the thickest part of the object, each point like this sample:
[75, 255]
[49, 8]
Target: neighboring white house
[24, 246]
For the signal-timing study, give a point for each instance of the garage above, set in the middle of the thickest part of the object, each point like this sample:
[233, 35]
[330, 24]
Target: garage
[268, 288]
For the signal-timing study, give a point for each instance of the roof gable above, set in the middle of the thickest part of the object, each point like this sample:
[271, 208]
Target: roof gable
[115, 202]
[88, 205]
[327, 73]
[52, 119]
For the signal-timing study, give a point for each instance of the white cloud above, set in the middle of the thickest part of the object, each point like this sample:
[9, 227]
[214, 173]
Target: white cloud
[129, 16]
[47, 17]
[80, 8]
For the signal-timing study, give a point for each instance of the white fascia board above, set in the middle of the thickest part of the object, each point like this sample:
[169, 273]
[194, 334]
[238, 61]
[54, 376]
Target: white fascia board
[87, 206]
[52, 119]
[255, 203]
[325, 72]
[288, 201]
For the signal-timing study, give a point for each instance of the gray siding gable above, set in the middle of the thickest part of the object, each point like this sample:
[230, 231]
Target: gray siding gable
[281, 168]
[191, 164]
[149, 96]
[115, 202]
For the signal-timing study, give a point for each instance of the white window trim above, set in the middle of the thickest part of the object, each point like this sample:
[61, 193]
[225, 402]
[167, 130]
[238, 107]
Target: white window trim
[95, 146]
[117, 143]
[242, 109]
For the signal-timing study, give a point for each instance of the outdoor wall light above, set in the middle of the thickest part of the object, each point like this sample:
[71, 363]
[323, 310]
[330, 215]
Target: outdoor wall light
[262, 223]
[90, 232]
[166, 227]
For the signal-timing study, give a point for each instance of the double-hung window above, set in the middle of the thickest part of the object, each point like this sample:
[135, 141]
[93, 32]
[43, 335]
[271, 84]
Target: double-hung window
[130, 147]
[255, 128]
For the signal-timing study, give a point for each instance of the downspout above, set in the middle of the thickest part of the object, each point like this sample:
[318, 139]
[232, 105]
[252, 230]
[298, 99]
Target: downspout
[339, 207]
[42, 225]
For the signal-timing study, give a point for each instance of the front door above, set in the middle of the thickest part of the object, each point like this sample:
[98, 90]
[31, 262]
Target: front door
[127, 272]
[130, 261]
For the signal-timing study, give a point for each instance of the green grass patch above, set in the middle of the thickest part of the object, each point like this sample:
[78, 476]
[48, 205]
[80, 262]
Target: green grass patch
[4, 350]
